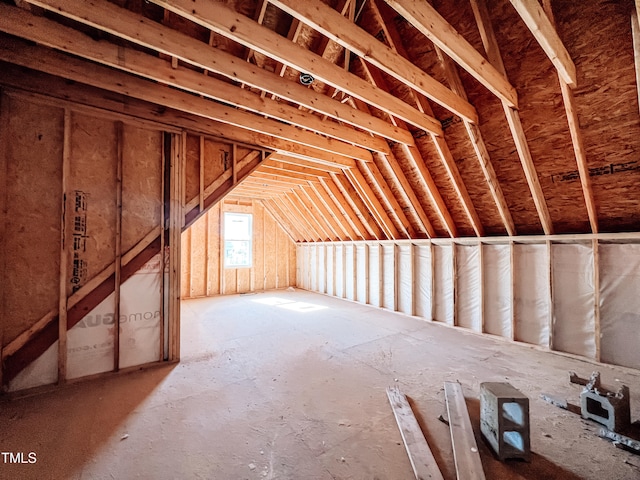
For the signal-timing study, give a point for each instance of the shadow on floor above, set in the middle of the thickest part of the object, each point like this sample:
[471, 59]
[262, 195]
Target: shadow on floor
[89, 414]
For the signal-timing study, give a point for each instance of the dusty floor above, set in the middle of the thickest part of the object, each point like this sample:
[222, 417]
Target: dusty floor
[289, 391]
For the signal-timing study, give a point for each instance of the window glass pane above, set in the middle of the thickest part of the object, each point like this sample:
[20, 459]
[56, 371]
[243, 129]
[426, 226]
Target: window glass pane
[237, 226]
[237, 240]
[237, 253]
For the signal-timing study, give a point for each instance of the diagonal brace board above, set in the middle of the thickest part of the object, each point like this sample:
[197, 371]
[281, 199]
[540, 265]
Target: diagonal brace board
[465, 448]
[422, 461]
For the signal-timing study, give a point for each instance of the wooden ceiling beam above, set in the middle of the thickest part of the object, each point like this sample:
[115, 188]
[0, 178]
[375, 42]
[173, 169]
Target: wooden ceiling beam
[345, 208]
[315, 214]
[373, 204]
[302, 163]
[286, 226]
[52, 34]
[544, 32]
[318, 235]
[39, 58]
[281, 206]
[432, 25]
[513, 119]
[135, 28]
[273, 171]
[227, 22]
[385, 16]
[352, 197]
[319, 197]
[579, 150]
[335, 26]
[392, 206]
[271, 205]
[284, 168]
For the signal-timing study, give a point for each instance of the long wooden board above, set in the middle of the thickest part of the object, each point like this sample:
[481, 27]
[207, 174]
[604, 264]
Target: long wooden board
[422, 461]
[465, 448]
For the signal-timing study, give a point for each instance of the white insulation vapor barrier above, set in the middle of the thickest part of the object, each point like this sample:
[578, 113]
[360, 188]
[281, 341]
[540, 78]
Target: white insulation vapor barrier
[374, 276]
[532, 295]
[388, 277]
[90, 341]
[339, 279]
[423, 281]
[443, 283]
[469, 301]
[497, 289]
[573, 299]
[313, 270]
[620, 304]
[42, 371]
[361, 273]
[405, 287]
[322, 271]
[349, 272]
[330, 269]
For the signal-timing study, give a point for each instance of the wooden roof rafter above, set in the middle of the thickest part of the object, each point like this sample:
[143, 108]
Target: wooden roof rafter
[335, 26]
[227, 22]
[143, 31]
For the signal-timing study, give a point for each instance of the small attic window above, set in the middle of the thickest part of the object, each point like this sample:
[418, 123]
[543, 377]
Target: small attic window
[238, 240]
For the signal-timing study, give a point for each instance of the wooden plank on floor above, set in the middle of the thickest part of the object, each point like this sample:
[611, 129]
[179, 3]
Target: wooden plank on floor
[422, 461]
[465, 448]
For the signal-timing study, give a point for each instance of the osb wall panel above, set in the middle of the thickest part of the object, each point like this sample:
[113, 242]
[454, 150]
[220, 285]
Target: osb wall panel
[274, 255]
[141, 184]
[91, 198]
[218, 157]
[192, 168]
[607, 104]
[31, 244]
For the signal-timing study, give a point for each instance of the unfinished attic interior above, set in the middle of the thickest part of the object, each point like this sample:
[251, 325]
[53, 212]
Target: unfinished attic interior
[230, 229]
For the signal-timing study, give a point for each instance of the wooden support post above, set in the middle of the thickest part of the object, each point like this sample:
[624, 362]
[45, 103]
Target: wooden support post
[118, 246]
[355, 272]
[433, 280]
[178, 159]
[380, 275]
[344, 270]
[264, 254]
[333, 270]
[596, 287]
[395, 277]
[635, 30]
[201, 176]
[552, 319]
[512, 253]
[366, 274]
[190, 279]
[465, 448]
[324, 258]
[163, 227]
[482, 280]
[412, 257]
[454, 278]
[64, 259]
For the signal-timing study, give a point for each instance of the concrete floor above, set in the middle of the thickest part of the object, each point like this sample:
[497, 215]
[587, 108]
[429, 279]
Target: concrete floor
[286, 390]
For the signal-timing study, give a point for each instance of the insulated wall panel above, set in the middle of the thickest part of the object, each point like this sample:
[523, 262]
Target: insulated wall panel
[388, 277]
[405, 279]
[374, 275]
[350, 273]
[322, 271]
[42, 371]
[423, 281]
[468, 287]
[330, 270]
[531, 294]
[573, 299]
[313, 268]
[443, 283]
[361, 273]
[620, 304]
[339, 271]
[90, 341]
[140, 318]
[497, 289]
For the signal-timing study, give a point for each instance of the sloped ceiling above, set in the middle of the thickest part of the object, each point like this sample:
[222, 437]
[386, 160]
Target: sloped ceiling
[445, 119]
